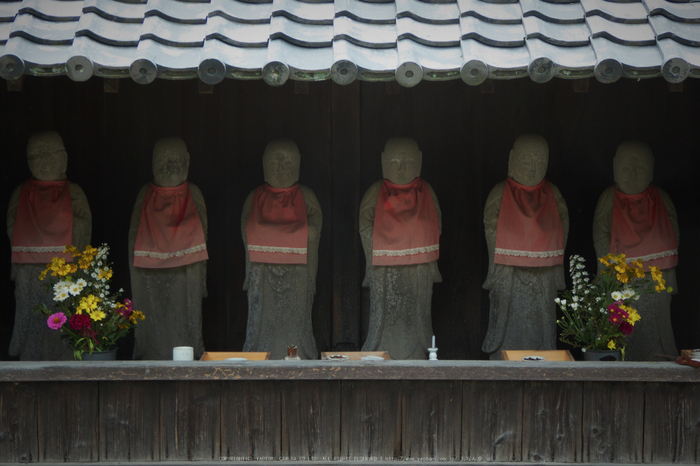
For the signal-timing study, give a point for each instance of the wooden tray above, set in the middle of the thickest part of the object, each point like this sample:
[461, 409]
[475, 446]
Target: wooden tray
[554, 355]
[219, 356]
[356, 355]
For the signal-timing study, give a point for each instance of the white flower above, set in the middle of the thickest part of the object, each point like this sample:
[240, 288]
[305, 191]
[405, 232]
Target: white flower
[75, 289]
[81, 283]
[616, 295]
[121, 290]
[557, 300]
[574, 298]
[563, 302]
[61, 286]
[574, 306]
[60, 295]
[628, 293]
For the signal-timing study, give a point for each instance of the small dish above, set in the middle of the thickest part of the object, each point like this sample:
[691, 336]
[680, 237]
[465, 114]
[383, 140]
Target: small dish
[336, 357]
[534, 358]
[236, 360]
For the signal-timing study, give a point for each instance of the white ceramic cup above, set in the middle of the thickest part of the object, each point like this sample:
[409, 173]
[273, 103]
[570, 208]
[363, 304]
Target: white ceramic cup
[695, 353]
[183, 353]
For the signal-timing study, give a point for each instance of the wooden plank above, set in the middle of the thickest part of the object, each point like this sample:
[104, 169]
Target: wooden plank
[18, 422]
[310, 428]
[68, 421]
[672, 423]
[190, 421]
[492, 416]
[129, 426]
[370, 421]
[552, 422]
[613, 422]
[431, 420]
[326, 370]
[250, 421]
[344, 220]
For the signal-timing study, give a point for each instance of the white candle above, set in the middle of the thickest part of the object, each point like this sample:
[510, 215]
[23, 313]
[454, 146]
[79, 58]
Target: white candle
[433, 342]
[183, 353]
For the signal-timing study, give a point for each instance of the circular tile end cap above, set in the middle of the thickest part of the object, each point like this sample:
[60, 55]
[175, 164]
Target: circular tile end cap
[474, 72]
[79, 68]
[408, 74]
[675, 70]
[275, 73]
[143, 71]
[608, 71]
[212, 71]
[343, 72]
[541, 70]
[11, 67]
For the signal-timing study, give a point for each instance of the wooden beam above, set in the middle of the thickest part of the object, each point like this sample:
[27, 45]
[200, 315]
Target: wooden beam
[205, 88]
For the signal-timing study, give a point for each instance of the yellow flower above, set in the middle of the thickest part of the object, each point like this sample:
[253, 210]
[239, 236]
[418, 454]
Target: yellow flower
[90, 251]
[622, 277]
[72, 250]
[105, 273]
[604, 260]
[611, 344]
[42, 275]
[136, 315]
[88, 303]
[96, 315]
[84, 262]
[633, 314]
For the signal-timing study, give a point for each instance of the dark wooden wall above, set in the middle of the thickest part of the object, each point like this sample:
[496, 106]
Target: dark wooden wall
[465, 411]
[465, 135]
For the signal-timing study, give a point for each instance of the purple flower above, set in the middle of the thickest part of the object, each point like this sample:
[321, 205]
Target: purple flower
[56, 320]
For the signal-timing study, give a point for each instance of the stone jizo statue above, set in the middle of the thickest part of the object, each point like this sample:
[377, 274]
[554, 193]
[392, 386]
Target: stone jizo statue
[168, 256]
[45, 214]
[281, 229]
[636, 218]
[400, 225]
[526, 223]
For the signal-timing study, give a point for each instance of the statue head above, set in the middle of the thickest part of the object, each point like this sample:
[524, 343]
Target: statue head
[527, 163]
[401, 160]
[633, 167]
[47, 158]
[281, 162]
[171, 162]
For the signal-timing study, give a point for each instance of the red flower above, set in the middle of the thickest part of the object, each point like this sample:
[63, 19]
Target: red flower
[79, 321]
[626, 328]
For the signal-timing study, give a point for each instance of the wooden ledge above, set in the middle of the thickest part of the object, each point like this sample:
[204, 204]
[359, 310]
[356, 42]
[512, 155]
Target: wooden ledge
[563, 371]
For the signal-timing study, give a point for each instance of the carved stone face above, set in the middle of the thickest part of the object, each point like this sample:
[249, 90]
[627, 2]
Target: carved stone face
[401, 160]
[281, 162]
[528, 160]
[633, 167]
[171, 162]
[47, 157]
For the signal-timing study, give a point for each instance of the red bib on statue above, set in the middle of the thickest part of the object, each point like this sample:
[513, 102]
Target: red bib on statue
[406, 228]
[44, 222]
[641, 229]
[529, 232]
[170, 229]
[277, 229]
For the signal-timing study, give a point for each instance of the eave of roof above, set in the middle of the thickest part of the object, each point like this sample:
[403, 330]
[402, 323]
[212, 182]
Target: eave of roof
[372, 40]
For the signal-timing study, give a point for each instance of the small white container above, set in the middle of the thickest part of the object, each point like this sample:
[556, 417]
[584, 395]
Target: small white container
[183, 353]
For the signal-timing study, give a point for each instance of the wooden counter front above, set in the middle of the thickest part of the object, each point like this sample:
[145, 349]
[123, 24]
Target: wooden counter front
[339, 411]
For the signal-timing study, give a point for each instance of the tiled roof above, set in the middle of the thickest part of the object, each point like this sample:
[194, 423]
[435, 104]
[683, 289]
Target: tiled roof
[372, 40]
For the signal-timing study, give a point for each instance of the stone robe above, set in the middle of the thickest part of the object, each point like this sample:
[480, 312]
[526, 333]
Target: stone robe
[522, 314]
[170, 298]
[400, 319]
[32, 339]
[281, 296]
[652, 334]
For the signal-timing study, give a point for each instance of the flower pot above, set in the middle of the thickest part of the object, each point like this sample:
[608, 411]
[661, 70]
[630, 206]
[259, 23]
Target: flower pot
[109, 355]
[602, 355]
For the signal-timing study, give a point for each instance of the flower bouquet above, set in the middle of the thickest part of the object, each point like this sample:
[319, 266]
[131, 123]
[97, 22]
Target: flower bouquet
[89, 318]
[599, 314]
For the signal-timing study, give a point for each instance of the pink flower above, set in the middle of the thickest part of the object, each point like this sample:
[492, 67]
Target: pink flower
[56, 320]
[125, 309]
